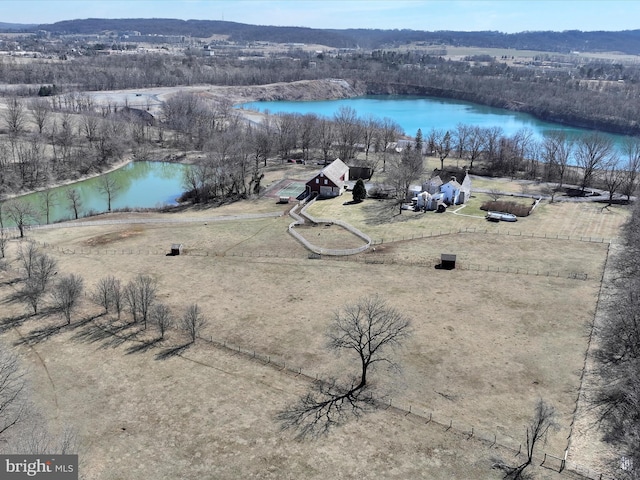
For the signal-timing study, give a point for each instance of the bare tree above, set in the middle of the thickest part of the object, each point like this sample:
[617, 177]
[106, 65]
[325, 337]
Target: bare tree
[162, 318]
[32, 293]
[494, 194]
[37, 439]
[4, 241]
[391, 131]
[66, 294]
[109, 187]
[117, 297]
[403, 170]
[14, 117]
[40, 269]
[140, 295]
[460, 137]
[40, 112]
[593, 150]
[544, 419]
[371, 127]
[130, 296]
[474, 145]
[27, 254]
[441, 142]
[193, 321]
[21, 213]
[44, 268]
[12, 392]
[90, 126]
[556, 151]
[47, 201]
[286, 128]
[105, 292]
[631, 167]
[368, 329]
[613, 177]
[147, 288]
[74, 200]
[308, 133]
[326, 136]
[349, 131]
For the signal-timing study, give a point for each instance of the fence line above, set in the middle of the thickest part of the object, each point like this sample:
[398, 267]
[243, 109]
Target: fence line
[378, 259]
[549, 460]
[557, 463]
[441, 233]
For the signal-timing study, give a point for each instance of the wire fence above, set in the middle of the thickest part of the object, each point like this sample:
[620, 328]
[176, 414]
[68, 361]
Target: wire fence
[378, 259]
[559, 463]
[510, 233]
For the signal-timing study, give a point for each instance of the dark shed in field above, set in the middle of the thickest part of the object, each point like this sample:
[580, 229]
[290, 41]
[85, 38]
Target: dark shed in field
[176, 249]
[447, 261]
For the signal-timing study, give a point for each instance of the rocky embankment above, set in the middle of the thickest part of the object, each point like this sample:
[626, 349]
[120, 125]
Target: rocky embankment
[326, 89]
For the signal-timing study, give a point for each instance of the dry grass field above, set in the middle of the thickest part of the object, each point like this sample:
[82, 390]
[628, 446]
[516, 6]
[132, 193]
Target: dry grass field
[509, 326]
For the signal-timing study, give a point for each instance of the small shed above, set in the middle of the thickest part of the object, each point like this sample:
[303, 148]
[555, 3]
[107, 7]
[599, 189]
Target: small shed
[447, 261]
[176, 249]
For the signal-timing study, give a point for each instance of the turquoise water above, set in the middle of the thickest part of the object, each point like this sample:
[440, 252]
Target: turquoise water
[426, 113]
[139, 184]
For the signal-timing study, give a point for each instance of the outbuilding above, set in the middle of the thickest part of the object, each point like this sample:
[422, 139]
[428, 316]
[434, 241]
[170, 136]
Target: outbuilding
[447, 261]
[330, 181]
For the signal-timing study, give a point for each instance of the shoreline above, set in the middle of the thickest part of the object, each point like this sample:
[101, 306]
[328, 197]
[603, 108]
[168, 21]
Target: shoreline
[112, 168]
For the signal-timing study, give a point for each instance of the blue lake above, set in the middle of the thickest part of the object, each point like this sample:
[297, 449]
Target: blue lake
[426, 113]
[139, 185]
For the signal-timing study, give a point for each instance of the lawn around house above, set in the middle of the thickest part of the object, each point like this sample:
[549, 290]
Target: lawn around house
[490, 338]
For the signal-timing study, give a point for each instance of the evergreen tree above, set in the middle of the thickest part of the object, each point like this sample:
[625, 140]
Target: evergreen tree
[419, 140]
[359, 191]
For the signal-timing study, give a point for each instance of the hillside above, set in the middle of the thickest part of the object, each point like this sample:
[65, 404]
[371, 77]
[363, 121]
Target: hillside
[598, 41]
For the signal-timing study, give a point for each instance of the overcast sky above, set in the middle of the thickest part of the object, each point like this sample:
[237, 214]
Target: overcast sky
[462, 15]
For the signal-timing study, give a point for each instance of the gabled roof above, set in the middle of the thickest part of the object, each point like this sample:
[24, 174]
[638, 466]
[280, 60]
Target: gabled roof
[454, 183]
[447, 174]
[335, 171]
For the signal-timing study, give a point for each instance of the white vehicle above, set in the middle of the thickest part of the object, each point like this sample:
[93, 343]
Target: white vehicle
[497, 216]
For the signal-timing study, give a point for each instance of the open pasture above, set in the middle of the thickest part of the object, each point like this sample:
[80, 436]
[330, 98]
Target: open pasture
[486, 345]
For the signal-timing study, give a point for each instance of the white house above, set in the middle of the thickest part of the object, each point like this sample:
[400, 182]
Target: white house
[434, 192]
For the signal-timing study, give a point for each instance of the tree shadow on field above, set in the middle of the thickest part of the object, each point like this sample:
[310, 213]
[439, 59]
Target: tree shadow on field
[143, 346]
[172, 352]
[382, 212]
[109, 336]
[11, 281]
[13, 322]
[41, 334]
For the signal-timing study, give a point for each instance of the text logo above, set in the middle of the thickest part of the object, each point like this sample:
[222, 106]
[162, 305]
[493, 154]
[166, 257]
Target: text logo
[46, 467]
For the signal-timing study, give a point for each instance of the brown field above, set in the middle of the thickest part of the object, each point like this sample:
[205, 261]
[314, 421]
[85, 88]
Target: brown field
[490, 338]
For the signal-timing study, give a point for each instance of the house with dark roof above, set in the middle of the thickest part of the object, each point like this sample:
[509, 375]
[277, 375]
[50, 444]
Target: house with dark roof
[455, 184]
[330, 181]
[445, 187]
